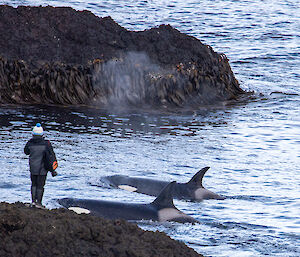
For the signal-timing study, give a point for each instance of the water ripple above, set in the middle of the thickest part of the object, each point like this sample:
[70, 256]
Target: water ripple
[252, 147]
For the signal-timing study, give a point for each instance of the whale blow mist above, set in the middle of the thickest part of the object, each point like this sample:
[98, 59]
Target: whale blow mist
[124, 82]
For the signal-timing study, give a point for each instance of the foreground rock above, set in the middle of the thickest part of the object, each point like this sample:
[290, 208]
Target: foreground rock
[34, 232]
[62, 56]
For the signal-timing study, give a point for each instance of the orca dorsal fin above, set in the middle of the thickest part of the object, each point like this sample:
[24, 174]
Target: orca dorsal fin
[165, 197]
[197, 178]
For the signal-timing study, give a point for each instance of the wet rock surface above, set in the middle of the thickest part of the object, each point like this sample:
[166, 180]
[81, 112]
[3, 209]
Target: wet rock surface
[28, 231]
[62, 56]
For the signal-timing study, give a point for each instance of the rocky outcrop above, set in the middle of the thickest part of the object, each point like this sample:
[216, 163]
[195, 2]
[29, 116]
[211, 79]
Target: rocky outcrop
[62, 56]
[28, 231]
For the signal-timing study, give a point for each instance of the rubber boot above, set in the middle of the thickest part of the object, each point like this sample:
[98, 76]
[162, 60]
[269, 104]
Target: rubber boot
[39, 197]
[33, 195]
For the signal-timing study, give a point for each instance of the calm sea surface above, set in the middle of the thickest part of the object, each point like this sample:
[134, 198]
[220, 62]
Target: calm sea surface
[253, 148]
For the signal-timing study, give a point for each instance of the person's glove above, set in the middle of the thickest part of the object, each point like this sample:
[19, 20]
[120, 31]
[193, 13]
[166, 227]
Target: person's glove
[53, 173]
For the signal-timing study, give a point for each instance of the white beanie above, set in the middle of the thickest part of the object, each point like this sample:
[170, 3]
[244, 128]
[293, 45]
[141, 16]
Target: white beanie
[38, 130]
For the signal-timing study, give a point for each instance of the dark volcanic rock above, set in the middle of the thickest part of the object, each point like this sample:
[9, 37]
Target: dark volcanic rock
[65, 35]
[63, 56]
[28, 231]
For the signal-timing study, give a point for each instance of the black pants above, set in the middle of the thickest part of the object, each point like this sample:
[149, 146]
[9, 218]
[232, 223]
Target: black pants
[37, 187]
[38, 181]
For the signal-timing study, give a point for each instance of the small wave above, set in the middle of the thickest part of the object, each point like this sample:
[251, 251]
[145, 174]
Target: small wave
[100, 183]
[284, 93]
[7, 185]
[235, 225]
[258, 198]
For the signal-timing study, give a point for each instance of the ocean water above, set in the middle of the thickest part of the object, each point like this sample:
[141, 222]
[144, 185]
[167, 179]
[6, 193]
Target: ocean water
[253, 148]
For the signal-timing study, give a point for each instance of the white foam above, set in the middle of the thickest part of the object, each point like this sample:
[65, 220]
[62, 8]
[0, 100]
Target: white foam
[79, 210]
[127, 188]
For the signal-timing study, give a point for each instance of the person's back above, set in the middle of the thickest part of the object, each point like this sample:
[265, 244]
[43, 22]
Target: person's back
[38, 150]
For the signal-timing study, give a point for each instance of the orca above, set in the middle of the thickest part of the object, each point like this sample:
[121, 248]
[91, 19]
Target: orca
[192, 190]
[161, 209]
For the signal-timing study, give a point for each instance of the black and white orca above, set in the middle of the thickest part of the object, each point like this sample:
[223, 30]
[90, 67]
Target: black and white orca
[192, 190]
[161, 209]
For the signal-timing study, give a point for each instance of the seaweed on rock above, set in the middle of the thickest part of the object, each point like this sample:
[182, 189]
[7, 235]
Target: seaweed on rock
[67, 57]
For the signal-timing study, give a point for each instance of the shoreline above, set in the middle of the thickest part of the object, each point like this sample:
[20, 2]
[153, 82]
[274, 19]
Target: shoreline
[29, 231]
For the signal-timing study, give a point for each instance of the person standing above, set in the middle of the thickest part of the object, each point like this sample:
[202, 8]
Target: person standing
[40, 152]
